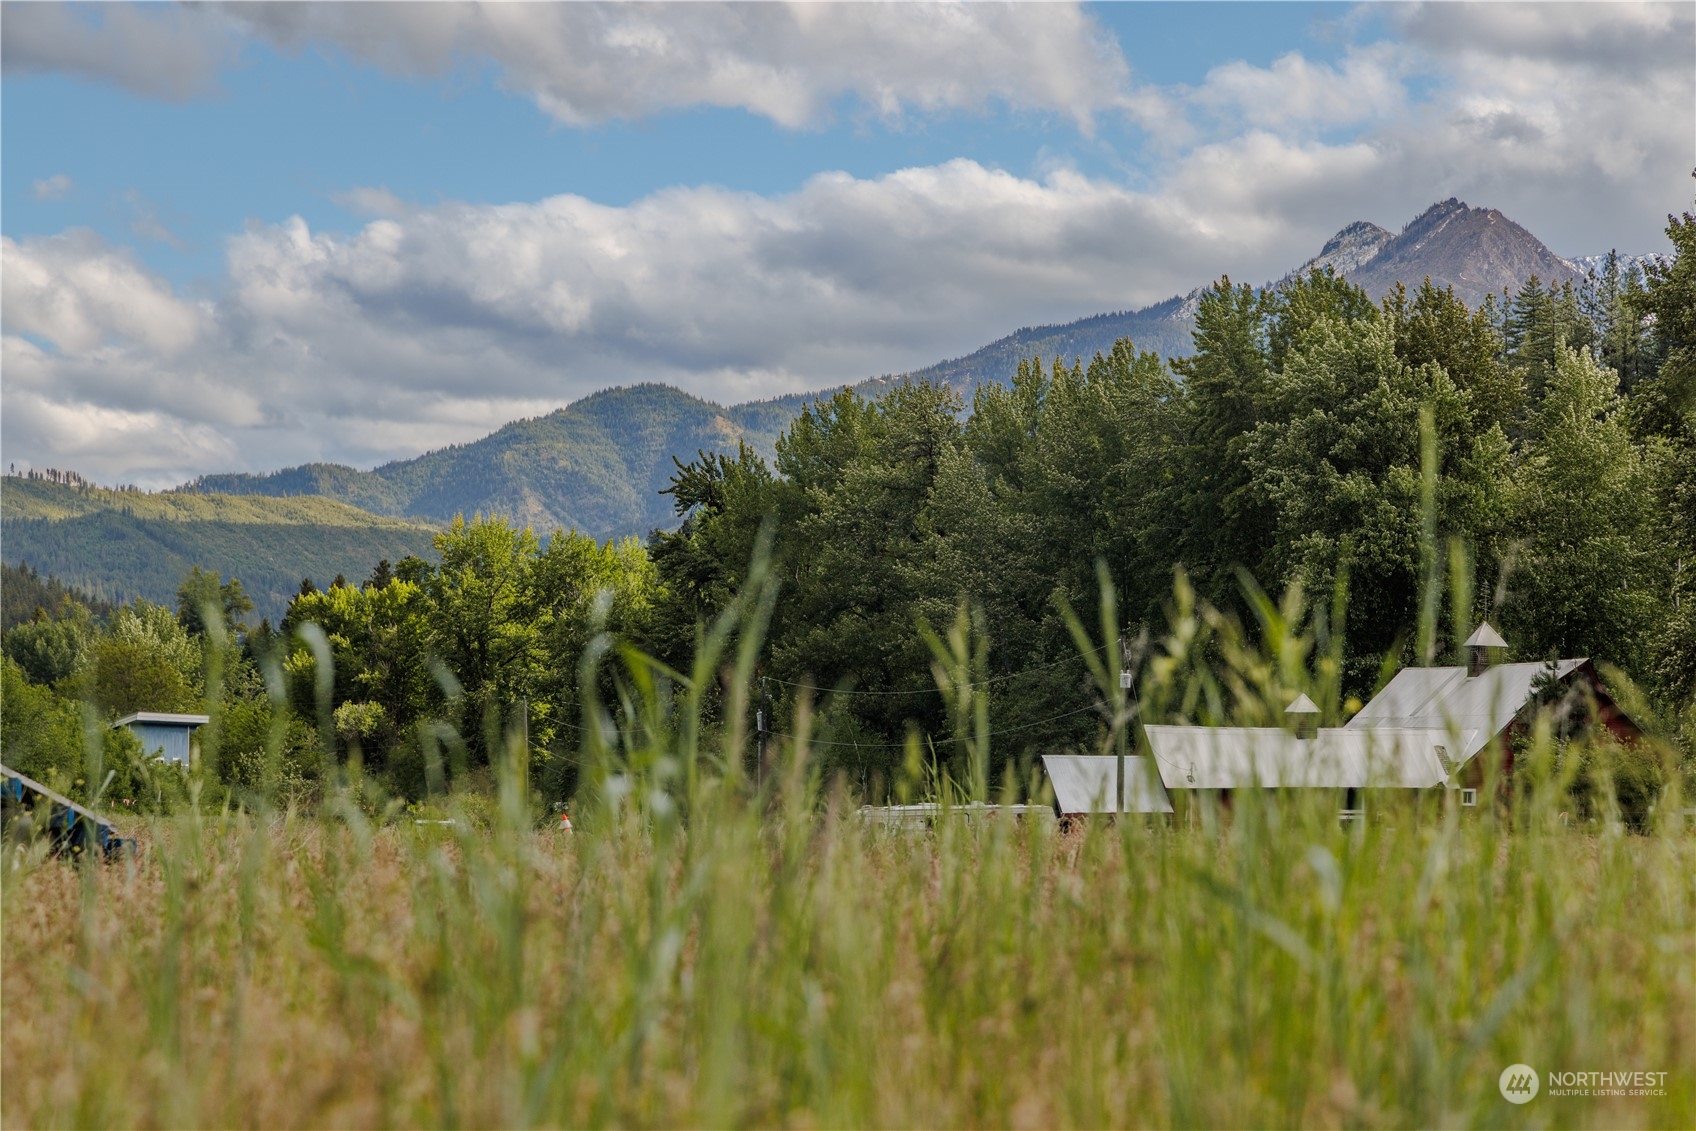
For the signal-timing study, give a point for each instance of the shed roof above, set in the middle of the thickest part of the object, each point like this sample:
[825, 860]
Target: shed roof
[165, 719]
[1083, 783]
[1472, 709]
[1246, 757]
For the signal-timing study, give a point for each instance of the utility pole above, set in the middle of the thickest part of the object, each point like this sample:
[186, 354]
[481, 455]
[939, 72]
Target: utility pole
[524, 767]
[1120, 721]
[762, 719]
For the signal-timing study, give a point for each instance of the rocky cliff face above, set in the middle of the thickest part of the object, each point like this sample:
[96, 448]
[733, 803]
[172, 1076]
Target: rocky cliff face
[1477, 251]
[1351, 249]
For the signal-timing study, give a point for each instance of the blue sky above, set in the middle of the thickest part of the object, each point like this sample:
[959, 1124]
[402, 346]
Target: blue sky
[290, 132]
[244, 237]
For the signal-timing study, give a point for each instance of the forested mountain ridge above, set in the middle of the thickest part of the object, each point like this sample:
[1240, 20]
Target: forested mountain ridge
[599, 464]
[119, 545]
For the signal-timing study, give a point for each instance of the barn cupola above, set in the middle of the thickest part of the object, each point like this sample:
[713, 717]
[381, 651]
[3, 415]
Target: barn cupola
[1478, 647]
[1303, 715]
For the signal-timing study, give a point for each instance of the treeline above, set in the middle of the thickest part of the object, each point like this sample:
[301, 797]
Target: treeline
[50, 475]
[392, 670]
[1291, 449]
[1410, 466]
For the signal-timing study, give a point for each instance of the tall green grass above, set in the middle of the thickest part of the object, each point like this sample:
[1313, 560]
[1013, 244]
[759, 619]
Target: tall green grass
[725, 944]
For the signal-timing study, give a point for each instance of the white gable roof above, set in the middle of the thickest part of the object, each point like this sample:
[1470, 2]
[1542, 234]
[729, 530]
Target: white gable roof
[1083, 783]
[1246, 757]
[1473, 710]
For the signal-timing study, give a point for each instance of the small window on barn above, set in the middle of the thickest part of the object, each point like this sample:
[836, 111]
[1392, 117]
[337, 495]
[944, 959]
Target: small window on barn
[1469, 797]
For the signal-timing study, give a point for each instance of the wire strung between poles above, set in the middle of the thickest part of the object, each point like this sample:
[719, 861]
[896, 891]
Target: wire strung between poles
[933, 691]
[903, 745]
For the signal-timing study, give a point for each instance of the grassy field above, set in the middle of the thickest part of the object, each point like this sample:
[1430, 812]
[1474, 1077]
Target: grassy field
[781, 964]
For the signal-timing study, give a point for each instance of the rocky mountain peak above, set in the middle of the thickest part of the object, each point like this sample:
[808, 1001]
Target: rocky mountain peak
[1477, 251]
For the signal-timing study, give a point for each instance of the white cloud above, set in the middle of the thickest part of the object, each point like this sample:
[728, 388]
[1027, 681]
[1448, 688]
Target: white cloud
[447, 321]
[56, 187]
[155, 50]
[159, 447]
[86, 297]
[1296, 93]
[1543, 110]
[590, 63]
[1609, 37]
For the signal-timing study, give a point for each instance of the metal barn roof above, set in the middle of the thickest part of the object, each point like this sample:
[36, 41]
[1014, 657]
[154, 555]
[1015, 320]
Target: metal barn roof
[1083, 783]
[1471, 709]
[1245, 757]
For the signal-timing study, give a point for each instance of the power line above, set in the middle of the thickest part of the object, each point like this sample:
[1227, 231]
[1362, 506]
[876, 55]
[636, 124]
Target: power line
[934, 691]
[903, 745]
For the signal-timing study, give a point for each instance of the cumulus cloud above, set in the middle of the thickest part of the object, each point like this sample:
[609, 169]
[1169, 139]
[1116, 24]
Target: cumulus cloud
[1593, 37]
[1542, 110]
[452, 318]
[154, 50]
[56, 187]
[84, 296]
[589, 63]
[1295, 92]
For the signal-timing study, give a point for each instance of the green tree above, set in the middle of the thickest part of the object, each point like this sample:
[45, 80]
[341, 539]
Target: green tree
[41, 732]
[482, 619]
[1536, 325]
[203, 590]
[1586, 579]
[1434, 327]
[48, 650]
[1223, 383]
[1336, 464]
[1664, 408]
[723, 501]
[144, 661]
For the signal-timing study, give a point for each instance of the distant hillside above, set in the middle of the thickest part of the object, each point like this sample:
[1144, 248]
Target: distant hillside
[597, 465]
[1477, 251]
[118, 545]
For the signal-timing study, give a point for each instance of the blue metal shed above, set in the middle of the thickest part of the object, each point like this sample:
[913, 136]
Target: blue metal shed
[163, 735]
